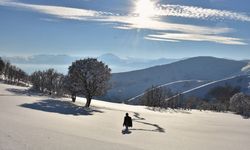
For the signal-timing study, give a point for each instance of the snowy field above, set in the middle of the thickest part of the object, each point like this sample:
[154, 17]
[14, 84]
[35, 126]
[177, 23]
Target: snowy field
[32, 122]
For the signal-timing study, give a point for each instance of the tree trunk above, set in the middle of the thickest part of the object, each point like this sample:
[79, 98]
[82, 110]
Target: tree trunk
[73, 96]
[88, 101]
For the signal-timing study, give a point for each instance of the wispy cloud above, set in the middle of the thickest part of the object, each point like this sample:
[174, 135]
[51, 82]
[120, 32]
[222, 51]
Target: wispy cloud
[200, 13]
[130, 22]
[195, 37]
[159, 39]
[170, 32]
[58, 11]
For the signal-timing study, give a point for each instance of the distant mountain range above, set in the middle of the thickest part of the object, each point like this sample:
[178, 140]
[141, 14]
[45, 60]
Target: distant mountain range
[61, 62]
[118, 64]
[42, 59]
[197, 71]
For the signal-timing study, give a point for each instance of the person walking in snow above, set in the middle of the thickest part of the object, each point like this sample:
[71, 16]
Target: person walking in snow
[127, 122]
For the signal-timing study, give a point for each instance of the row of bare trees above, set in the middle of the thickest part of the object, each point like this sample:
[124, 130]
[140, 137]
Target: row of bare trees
[156, 97]
[160, 97]
[220, 98]
[12, 73]
[49, 81]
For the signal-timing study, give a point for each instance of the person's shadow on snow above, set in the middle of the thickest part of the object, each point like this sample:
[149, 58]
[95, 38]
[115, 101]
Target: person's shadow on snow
[126, 131]
[141, 120]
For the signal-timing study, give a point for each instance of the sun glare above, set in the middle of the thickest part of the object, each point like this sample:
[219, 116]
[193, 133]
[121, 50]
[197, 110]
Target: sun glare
[145, 8]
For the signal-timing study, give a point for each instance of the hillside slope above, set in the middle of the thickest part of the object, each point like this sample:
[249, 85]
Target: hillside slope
[242, 81]
[129, 84]
[30, 122]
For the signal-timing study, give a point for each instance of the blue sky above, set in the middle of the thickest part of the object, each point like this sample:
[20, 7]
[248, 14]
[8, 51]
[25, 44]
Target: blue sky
[127, 28]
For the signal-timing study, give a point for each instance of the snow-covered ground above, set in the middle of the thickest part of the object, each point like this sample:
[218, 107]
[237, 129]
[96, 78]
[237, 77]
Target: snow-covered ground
[34, 122]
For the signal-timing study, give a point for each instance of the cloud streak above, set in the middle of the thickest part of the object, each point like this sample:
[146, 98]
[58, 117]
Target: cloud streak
[200, 13]
[58, 11]
[169, 32]
[175, 37]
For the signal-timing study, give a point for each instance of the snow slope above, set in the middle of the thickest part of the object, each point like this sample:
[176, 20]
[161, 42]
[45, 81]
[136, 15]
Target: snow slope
[175, 87]
[31, 122]
[242, 81]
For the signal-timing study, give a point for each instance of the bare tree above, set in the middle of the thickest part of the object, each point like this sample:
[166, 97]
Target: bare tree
[155, 97]
[70, 87]
[37, 79]
[51, 79]
[2, 64]
[34, 79]
[21, 75]
[59, 84]
[91, 77]
[6, 70]
[12, 73]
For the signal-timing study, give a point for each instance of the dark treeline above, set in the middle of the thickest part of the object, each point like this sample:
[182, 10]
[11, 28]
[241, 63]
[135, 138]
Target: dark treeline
[12, 74]
[220, 98]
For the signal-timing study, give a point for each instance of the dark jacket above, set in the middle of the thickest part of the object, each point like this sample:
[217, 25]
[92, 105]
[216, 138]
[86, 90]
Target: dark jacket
[127, 121]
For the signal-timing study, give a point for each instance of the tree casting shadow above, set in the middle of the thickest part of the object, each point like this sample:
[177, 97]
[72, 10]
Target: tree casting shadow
[138, 120]
[28, 92]
[170, 110]
[17, 91]
[61, 107]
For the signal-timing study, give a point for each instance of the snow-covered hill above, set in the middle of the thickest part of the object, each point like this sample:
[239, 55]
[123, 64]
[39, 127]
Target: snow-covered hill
[175, 87]
[242, 81]
[31, 122]
[193, 88]
[129, 84]
[246, 69]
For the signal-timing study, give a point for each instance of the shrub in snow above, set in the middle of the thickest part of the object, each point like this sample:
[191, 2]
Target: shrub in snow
[220, 96]
[240, 103]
